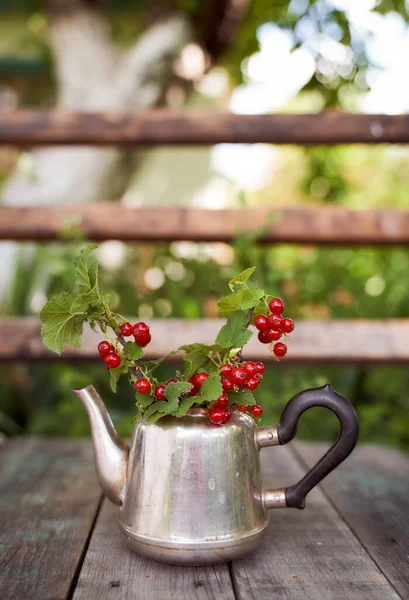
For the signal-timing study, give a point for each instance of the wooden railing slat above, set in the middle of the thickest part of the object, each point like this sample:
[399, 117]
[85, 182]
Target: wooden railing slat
[190, 127]
[338, 341]
[318, 225]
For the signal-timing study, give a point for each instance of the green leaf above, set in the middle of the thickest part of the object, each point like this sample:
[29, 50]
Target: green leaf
[195, 361]
[173, 391]
[61, 325]
[153, 364]
[234, 334]
[186, 404]
[158, 406]
[89, 299]
[211, 388]
[242, 300]
[115, 374]
[245, 397]
[86, 274]
[132, 351]
[242, 277]
[144, 400]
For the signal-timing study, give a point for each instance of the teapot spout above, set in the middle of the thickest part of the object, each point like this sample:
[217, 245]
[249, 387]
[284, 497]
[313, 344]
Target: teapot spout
[110, 452]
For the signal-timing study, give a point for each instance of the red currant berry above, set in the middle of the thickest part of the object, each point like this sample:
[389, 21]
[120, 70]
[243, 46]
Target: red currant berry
[256, 411]
[142, 338]
[287, 326]
[252, 383]
[143, 386]
[104, 348]
[260, 367]
[250, 368]
[126, 329]
[193, 391]
[227, 384]
[261, 322]
[274, 321]
[160, 392]
[227, 416]
[199, 379]
[141, 326]
[112, 360]
[216, 415]
[276, 305]
[280, 349]
[222, 402]
[273, 334]
[239, 376]
[262, 337]
[174, 380]
[241, 407]
[226, 370]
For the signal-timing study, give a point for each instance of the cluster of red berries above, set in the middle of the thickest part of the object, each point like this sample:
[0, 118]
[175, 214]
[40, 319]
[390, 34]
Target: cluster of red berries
[248, 376]
[220, 413]
[272, 327]
[109, 355]
[107, 351]
[140, 331]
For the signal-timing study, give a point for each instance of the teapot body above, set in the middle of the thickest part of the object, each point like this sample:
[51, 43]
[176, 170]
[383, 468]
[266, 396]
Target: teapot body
[190, 492]
[193, 491]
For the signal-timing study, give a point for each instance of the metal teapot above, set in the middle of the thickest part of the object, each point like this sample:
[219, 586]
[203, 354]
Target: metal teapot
[190, 492]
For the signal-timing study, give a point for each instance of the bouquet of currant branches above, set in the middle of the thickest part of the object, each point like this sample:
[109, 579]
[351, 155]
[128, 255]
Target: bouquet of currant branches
[214, 377]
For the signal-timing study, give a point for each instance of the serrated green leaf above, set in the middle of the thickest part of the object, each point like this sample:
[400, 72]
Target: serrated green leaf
[159, 406]
[211, 388]
[234, 334]
[243, 396]
[242, 300]
[204, 348]
[195, 361]
[132, 351]
[115, 374]
[174, 390]
[186, 404]
[242, 277]
[86, 273]
[144, 400]
[155, 417]
[89, 299]
[61, 325]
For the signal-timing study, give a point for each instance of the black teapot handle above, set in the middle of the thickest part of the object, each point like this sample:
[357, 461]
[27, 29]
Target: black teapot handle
[294, 495]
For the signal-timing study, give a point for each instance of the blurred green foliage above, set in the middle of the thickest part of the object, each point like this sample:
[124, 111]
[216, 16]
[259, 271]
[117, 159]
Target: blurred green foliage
[315, 282]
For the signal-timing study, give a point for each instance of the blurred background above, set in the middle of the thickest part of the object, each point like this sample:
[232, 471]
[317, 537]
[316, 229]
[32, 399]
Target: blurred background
[247, 57]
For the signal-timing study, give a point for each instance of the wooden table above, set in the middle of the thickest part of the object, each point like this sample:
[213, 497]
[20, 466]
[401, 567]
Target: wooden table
[59, 538]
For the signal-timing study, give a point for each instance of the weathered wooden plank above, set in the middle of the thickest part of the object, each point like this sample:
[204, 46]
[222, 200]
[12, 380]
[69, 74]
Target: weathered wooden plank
[111, 570]
[371, 491]
[48, 502]
[190, 127]
[327, 225]
[326, 342]
[307, 555]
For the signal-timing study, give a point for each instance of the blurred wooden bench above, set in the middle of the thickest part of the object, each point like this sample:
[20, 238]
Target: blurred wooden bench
[356, 341]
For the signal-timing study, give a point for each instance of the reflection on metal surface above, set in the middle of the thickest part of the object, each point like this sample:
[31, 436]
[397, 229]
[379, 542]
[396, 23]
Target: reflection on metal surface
[193, 492]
